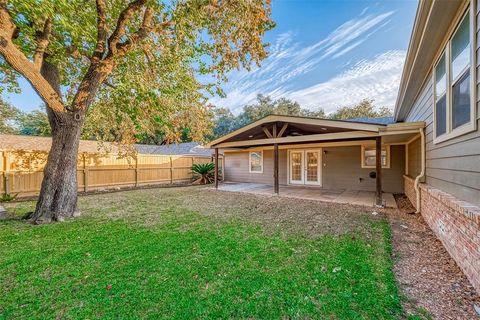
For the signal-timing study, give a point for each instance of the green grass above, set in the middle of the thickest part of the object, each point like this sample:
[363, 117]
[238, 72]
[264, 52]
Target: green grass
[191, 265]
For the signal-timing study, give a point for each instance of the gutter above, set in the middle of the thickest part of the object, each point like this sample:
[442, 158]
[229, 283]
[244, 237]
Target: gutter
[422, 172]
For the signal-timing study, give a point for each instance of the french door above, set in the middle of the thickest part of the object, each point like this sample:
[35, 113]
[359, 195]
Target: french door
[305, 167]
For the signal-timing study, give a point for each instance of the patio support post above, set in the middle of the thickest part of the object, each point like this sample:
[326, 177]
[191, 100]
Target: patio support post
[275, 168]
[216, 168]
[378, 169]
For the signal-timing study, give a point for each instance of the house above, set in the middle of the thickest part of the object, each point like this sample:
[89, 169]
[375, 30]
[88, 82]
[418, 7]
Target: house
[430, 151]
[21, 142]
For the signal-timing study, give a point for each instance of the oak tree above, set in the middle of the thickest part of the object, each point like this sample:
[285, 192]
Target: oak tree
[131, 65]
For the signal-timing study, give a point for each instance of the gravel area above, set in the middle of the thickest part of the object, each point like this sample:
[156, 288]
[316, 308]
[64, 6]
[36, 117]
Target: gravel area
[429, 278]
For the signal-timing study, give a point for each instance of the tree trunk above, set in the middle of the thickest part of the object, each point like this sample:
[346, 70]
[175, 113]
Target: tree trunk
[58, 195]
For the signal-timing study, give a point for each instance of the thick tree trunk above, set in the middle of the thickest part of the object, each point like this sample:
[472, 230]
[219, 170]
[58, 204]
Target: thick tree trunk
[58, 195]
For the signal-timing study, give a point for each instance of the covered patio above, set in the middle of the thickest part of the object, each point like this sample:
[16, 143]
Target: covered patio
[327, 160]
[363, 198]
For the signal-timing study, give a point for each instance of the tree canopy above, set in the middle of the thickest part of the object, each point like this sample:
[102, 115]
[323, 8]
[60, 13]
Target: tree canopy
[226, 121]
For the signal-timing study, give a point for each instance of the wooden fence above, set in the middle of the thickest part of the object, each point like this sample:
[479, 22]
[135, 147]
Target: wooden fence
[22, 171]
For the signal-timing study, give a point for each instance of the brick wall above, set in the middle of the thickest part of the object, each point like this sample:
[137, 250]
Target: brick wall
[457, 224]
[409, 187]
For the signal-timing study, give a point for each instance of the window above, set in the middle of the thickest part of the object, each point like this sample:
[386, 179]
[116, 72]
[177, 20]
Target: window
[256, 162]
[369, 158]
[453, 85]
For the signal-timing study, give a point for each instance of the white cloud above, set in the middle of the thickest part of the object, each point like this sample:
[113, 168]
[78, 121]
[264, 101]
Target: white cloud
[288, 61]
[376, 79]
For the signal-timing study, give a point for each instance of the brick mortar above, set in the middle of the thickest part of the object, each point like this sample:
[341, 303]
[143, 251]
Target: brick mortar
[457, 224]
[409, 189]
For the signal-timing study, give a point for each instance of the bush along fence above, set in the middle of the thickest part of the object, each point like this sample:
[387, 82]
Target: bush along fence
[22, 171]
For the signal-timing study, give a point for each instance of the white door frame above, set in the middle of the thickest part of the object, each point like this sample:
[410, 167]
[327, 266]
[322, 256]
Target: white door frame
[304, 181]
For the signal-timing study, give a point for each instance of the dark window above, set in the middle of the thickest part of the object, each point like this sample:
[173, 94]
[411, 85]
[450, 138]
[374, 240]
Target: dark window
[441, 116]
[461, 101]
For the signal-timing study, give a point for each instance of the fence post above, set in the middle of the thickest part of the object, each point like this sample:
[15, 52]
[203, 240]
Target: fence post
[5, 165]
[85, 174]
[171, 171]
[136, 170]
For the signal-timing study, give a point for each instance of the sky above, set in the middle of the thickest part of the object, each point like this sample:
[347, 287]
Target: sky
[322, 54]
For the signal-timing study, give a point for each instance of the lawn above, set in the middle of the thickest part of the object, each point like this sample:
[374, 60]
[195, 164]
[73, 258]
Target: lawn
[198, 253]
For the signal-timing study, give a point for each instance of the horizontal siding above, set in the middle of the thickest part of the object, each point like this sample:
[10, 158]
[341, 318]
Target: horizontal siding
[454, 165]
[236, 167]
[414, 158]
[341, 169]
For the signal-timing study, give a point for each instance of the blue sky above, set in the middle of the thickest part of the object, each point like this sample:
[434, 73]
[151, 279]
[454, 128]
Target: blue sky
[323, 54]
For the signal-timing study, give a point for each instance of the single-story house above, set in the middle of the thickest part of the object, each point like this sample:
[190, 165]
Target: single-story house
[21, 142]
[430, 151]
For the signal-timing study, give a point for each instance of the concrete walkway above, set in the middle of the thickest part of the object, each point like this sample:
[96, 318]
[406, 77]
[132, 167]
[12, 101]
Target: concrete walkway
[364, 198]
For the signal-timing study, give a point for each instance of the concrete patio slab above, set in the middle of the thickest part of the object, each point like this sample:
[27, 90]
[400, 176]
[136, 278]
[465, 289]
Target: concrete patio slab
[363, 198]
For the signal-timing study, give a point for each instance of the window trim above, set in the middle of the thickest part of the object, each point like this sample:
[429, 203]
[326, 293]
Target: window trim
[250, 162]
[447, 48]
[362, 155]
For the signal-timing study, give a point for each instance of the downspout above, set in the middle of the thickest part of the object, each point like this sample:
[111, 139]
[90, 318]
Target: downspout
[422, 172]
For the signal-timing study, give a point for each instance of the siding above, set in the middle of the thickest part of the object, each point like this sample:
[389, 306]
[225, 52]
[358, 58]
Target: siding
[341, 169]
[414, 158]
[454, 165]
[236, 167]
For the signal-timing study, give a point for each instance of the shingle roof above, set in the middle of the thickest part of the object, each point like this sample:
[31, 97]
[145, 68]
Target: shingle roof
[18, 142]
[186, 148]
[381, 120]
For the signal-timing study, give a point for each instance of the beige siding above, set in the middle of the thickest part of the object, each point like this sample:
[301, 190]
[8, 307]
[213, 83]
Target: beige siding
[236, 167]
[414, 158]
[341, 169]
[454, 165]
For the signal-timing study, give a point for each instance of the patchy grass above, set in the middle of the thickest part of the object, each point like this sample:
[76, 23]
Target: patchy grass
[161, 253]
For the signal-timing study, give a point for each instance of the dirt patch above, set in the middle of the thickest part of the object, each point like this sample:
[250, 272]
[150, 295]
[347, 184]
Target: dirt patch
[429, 278]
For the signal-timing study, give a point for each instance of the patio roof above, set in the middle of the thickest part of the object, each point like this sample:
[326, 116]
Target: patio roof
[275, 129]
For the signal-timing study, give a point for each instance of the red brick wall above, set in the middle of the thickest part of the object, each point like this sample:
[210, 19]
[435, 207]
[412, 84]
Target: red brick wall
[409, 185]
[457, 224]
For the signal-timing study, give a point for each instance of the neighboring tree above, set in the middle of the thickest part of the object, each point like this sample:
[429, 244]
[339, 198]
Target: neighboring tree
[128, 65]
[226, 122]
[35, 123]
[9, 116]
[363, 109]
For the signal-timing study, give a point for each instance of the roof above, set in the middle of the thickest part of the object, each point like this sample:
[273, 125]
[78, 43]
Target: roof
[432, 22]
[186, 148]
[19, 142]
[278, 129]
[381, 120]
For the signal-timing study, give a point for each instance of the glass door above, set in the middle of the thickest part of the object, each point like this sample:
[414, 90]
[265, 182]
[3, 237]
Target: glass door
[312, 167]
[296, 167]
[305, 167]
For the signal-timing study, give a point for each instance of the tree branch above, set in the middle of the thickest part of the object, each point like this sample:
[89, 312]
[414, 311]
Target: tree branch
[142, 33]
[119, 32]
[42, 43]
[101, 31]
[19, 62]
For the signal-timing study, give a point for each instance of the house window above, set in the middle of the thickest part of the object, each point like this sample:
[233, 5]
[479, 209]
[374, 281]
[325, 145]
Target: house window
[256, 162]
[453, 85]
[369, 158]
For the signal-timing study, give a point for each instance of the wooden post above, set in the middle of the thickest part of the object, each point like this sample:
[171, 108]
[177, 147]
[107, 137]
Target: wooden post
[136, 170]
[171, 170]
[216, 168]
[6, 168]
[378, 168]
[85, 174]
[275, 169]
